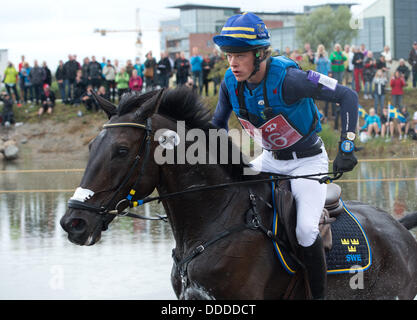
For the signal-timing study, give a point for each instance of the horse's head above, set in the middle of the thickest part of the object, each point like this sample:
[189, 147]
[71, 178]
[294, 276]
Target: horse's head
[129, 153]
[119, 157]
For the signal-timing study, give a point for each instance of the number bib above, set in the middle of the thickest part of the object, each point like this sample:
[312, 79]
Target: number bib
[275, 134]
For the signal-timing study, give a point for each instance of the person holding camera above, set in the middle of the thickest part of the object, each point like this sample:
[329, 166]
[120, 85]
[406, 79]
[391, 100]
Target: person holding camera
[322, 61]
[7, 114]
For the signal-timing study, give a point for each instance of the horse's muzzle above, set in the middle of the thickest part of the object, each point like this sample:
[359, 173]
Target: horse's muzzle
[75, 225]
[80, 230]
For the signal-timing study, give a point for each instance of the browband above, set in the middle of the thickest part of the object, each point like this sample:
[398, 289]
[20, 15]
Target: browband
[122, 124]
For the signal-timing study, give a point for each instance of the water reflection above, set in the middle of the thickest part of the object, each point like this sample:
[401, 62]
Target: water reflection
[133, 259]
[388, 185]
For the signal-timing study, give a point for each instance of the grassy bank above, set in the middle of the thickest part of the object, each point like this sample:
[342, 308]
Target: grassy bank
[28, 113]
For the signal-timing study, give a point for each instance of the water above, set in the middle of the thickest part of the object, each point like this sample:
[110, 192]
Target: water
[390, 185]
[133, 259]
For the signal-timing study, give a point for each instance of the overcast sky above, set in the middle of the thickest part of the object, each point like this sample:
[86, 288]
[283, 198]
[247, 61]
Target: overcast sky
[48, 30]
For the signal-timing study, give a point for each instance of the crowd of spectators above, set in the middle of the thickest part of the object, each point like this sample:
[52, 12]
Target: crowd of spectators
[369, 73]
[31, 84]
[353, 66]
[75, 80]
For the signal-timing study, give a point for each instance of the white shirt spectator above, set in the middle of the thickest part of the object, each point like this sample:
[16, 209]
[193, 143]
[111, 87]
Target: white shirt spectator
[350, 60]
[388, 57]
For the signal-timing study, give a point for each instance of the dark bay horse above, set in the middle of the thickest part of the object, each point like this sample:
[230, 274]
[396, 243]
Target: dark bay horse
[214, 258]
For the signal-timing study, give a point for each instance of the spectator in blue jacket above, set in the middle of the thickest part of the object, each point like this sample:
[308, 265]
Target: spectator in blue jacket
[372, 123]
[140, 67]
[27, 85]
[196, 62]
[321, 60]
[379, 82]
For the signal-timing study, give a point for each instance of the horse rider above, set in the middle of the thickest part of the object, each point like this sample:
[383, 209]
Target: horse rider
[273, 100]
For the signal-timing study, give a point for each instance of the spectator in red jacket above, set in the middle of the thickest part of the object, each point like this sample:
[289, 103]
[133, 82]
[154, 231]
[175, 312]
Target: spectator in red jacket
[397, 85]
[135, 82]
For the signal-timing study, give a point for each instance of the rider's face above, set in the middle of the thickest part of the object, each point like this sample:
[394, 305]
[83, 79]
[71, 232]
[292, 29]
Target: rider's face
[242, 64]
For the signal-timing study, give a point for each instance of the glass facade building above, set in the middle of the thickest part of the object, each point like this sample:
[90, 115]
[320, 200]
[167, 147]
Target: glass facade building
[196, 19]
[384, 22]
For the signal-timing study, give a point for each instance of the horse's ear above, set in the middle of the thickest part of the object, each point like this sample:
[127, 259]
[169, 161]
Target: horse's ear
[109, 108]
[151, 106]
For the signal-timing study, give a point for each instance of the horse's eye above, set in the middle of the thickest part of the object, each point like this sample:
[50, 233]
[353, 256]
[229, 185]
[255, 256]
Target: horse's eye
[122, 152]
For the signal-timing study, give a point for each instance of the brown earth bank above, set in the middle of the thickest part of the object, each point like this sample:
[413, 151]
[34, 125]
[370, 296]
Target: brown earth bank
[49, 139]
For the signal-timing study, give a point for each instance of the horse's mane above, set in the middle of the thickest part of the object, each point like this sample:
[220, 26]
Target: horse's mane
[179, 104]
[183, 104]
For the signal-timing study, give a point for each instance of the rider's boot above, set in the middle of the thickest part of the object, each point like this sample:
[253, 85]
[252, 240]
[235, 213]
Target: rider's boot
[315, 263]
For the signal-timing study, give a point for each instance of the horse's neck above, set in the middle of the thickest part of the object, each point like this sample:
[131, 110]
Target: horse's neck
[192, 215]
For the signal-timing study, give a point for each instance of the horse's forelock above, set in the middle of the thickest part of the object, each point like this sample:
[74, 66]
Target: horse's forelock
[133, 101]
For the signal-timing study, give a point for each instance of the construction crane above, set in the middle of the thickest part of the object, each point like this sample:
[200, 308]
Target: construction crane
[103, 32]
[137, 30]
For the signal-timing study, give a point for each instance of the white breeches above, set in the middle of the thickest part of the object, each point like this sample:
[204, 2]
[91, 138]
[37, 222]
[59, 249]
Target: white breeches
[309, 195]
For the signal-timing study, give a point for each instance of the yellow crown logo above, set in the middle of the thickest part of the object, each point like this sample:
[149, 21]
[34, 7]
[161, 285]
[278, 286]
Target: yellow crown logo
[345, 241]
[354, 241]
[351, 249]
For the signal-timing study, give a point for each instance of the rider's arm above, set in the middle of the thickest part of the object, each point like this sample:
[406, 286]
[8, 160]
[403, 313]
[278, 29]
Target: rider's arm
[297, 85]
[223, 110]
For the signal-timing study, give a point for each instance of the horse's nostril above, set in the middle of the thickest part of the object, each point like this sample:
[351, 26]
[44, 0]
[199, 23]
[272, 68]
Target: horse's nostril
[76, 225]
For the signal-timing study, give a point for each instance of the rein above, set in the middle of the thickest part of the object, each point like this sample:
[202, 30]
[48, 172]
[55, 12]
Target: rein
[129, 199]
[326, 179]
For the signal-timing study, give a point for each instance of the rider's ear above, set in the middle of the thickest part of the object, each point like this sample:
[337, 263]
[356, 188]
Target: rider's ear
[109, 108]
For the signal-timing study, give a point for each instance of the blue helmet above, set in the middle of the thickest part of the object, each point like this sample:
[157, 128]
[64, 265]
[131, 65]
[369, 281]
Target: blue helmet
[243, 32]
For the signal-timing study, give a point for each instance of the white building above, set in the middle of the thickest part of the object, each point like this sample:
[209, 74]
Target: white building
[392, 23]
[4, 57]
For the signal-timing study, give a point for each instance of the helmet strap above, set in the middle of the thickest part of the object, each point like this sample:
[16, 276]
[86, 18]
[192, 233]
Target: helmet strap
[257, 61]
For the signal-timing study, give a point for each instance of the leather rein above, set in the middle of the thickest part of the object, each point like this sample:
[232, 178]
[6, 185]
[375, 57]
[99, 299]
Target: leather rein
[144, 152]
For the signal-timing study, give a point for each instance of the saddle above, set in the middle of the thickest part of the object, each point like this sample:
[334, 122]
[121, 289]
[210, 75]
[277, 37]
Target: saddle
[285, 204]
[344, 239]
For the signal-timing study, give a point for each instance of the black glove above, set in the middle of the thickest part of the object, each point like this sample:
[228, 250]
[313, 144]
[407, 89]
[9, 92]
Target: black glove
[345, 159]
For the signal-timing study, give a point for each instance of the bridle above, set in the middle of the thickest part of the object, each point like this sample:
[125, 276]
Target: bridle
[128, 201]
